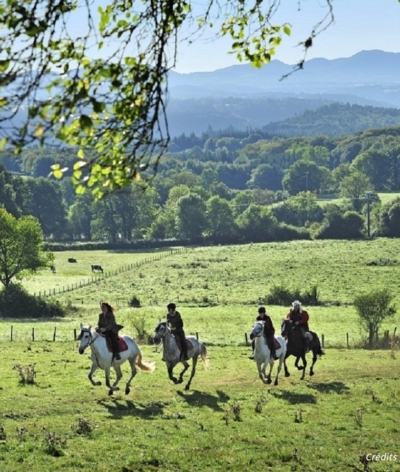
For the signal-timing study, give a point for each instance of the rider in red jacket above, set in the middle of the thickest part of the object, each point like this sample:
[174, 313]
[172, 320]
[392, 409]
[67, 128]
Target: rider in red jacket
[299, 317]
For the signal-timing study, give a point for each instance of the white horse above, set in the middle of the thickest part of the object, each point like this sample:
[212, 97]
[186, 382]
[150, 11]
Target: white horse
[172, 353]
[262, 354]
[102, 358]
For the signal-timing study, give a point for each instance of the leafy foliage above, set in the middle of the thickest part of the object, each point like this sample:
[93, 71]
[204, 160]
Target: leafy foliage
[373, 308]
[111, 99]
[15, 302]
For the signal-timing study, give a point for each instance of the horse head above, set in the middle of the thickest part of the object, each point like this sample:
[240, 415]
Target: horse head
[160, 331]
[286, 327]
[257, 330]
[85, 338]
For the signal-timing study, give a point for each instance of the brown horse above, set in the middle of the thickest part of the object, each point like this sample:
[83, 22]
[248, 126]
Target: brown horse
[295, 347]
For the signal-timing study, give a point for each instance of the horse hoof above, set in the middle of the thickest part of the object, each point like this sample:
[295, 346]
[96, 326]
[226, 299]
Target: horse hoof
[110, 392]
[97, 384]
[311, 374]
[300, 367]
[175, 380]
[287, 374]
[127, 391]
[115, 389]
[187, 387]
[275, 383]
[179, 381]
[269, 381]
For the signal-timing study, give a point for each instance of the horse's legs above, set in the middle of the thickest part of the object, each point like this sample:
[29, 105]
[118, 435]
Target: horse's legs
[93, 368]
[303, 358]
[314, 360]
[194, 363]
[287, 373]
[296, 364]
[185, 368]
[107, 375]
[118, 372]
[132, 362]
[278, 370]
[170, 368]
[271, 365]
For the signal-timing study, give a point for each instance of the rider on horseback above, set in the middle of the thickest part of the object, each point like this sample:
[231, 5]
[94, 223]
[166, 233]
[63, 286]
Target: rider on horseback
[299, 318]
[269, 332]
[109, 327]
[175, 322]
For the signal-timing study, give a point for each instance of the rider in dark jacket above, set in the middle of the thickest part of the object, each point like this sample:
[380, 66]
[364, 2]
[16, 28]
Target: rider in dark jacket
[269, 332]
[174, 319]
[108, 326]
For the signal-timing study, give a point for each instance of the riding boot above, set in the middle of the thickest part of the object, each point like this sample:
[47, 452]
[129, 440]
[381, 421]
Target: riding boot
[253, 345]
[114, 342]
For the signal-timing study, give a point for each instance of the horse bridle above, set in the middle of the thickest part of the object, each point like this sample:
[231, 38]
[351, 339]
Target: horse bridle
[260, 333]
[92, 339]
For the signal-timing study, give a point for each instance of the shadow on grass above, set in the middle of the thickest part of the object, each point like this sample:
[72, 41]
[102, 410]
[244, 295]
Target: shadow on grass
[331, 387]
[119, 409]
[197, 398]
[294, 398]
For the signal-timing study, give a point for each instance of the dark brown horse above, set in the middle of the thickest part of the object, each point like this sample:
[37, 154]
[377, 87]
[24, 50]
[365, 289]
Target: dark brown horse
[296, 347]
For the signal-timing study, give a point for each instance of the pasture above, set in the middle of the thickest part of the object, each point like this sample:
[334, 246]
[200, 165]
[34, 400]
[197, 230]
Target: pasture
[229, 420]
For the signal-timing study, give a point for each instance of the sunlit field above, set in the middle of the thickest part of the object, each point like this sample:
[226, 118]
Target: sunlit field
[229, 420]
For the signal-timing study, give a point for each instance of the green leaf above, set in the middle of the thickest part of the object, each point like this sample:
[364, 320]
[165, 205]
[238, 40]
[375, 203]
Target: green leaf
[86, 124]
[288, 31]
[58, 173]
[3, 143]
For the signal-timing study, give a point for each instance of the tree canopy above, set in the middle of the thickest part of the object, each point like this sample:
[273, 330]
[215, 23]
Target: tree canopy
[20, 247]
[108, 85]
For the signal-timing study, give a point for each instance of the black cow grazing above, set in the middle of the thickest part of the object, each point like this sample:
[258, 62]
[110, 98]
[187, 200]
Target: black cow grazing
[97, 268]
[71, 259]
[53, 268]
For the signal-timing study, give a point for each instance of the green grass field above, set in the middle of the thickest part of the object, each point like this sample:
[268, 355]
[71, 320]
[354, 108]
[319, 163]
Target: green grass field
[347, 410]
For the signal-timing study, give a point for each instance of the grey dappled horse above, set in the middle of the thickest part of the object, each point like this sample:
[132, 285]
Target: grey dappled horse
[172, 353]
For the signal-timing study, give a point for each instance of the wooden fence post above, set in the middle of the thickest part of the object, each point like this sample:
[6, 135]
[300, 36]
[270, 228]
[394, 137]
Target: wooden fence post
[11, 334]
[323, 340]
[74, 334]
[347, 339]
[54, 334]
[33, 334]
[197, 335]
[245, 337]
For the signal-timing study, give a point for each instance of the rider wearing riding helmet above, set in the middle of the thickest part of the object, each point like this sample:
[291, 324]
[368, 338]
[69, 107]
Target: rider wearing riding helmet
[269, 332]
[299, 318]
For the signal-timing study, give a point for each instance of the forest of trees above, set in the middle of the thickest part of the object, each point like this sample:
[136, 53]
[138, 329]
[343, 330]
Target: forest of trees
[229, 188]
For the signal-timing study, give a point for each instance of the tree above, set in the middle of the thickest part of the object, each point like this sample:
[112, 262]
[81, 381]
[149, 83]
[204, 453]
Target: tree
[266, 177]
[257, 223]
[21, 250]
[304, 176]
[373, 308]
[191, 217]
[354, 187]
[48, 206]
[221, 222]
[112, 99]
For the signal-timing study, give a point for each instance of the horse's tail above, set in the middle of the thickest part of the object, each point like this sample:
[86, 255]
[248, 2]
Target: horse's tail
[146, 366]
[203, 354]
[320, 352]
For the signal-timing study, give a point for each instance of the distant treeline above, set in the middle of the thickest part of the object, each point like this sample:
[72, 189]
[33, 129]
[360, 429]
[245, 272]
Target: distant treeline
[231, 187]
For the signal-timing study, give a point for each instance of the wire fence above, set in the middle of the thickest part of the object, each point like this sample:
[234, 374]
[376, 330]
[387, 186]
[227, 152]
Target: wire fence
[105, 275]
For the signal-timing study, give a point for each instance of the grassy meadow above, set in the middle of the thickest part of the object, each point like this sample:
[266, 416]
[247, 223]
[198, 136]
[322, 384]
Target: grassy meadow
[229, 420]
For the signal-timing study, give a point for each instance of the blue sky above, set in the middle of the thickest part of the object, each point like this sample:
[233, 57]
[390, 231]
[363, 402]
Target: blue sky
[359, 25]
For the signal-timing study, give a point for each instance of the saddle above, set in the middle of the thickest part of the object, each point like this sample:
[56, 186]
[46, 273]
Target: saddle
[277, 345]
[122, 346]
[188, 343]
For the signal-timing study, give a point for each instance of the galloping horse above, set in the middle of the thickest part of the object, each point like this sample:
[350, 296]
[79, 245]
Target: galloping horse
[172, 353]
[262, 354]
[295, 347]
[102, 358]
